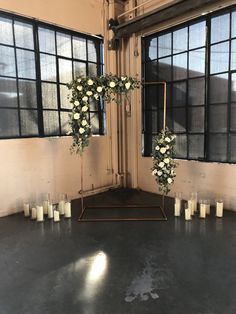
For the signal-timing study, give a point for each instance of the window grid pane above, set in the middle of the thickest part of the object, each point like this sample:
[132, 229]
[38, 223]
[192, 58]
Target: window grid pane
[34, 97]
[202, 106]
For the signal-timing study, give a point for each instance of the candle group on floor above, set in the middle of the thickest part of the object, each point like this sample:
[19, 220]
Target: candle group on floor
[49, 210]
[191, 207]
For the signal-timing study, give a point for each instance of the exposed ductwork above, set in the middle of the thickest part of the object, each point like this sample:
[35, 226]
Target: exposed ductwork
[164, 13]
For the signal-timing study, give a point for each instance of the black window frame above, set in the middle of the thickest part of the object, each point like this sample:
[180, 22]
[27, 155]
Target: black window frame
[147, 136]
[99, 110]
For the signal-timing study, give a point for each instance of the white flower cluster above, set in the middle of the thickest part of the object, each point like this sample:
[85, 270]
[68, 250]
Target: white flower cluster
[84, 91]
[163, 160]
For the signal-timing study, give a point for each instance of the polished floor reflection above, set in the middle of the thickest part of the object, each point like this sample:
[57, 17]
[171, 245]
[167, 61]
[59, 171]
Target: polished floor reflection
[173, 267]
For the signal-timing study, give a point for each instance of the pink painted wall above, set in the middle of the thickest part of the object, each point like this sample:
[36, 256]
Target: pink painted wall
[32, 167]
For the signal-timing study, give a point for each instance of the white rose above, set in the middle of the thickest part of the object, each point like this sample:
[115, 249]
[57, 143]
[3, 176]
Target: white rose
[81, 130]
[167, 139]
[163, 150]
[79, 80]
[76, 103]
[112, 84]
[90, 82]
[154, 172]
[76, 116]
[127, 85]
[84, 123]
[157, 147]
[85, 98]
[99, 89]
[89, 93]
[159, 173]
[167, 146]
[96, 96]
[123, 78]
[161, 164]
[79, 87]
[169, 180]
[166, 160]
[84, 108]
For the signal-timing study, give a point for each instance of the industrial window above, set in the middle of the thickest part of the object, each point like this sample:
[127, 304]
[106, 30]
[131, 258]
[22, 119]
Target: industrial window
[37, 60]
[198, 62]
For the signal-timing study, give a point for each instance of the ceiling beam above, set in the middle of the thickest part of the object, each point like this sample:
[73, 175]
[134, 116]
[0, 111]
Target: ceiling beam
[170, 11]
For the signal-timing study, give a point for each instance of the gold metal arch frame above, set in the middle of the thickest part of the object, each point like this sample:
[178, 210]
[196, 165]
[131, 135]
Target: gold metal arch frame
[161, 207]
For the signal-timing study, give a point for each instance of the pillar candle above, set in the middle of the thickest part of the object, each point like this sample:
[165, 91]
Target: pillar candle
[34, 213]
[26, 210]
[177, 209]
[191, 207]
[56, 215]
[50, 211]
[219, 209]
[187, 214]
[194, 204]
[68, 210]
[62, 207]
[40, 213]
[202, 211]
[45, 207]
[208, 209]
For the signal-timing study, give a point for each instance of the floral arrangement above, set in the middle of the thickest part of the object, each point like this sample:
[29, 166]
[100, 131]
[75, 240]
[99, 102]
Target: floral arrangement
[163, 160]
[88, 89]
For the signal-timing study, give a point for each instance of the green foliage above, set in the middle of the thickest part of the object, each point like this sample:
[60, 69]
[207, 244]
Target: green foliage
[85, 90]
[163, 160]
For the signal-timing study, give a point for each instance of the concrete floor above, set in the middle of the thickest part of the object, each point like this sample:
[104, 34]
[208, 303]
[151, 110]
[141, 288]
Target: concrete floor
[173, 267]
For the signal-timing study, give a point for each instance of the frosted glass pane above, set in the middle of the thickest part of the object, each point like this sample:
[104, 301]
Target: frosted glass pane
[46, 40]
[48, 67]
[7, 61]
[79, 69]
[51, 123]
[218, 147]
[220, 28]
[29, 122]
[94, 122]
[197, 62]
[64, 45]
[181, 146]
[180, 40]
[9, 124]
[8, 92]
[196, 92]
[65, 96]
[27, 94]
[196, 146]
[65, 71]
[24, 35]
[64, 123]
[25, 64]
[6, 34]
[79, 48]
[218, 118]
[92, 51]
[219, 58]
[92, 69]
[180, 66]
[164, 45]
[49, 96]
[219, 88]
[197, 35]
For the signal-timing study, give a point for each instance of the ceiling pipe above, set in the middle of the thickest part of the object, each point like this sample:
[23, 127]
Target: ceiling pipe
[133, 9]
[160, 15]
